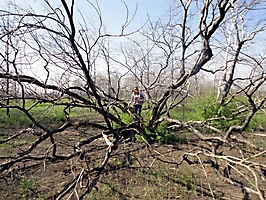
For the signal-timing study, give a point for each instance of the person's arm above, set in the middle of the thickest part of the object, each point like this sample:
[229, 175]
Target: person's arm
[141, 99]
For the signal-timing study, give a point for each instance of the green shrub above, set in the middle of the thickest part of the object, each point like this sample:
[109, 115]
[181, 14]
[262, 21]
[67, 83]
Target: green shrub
[207, 110]
[258, 122]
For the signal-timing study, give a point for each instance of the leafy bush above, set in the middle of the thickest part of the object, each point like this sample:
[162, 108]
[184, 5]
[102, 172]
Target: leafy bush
[258, 122]
[207, 110]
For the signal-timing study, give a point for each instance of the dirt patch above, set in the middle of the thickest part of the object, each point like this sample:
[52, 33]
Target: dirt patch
[134, 171]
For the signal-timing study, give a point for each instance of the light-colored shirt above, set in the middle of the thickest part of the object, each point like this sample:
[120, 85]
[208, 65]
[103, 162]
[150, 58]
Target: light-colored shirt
[137, 99]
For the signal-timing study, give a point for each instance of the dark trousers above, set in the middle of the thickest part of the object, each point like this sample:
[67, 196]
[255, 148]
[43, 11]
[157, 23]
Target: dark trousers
[137, 109]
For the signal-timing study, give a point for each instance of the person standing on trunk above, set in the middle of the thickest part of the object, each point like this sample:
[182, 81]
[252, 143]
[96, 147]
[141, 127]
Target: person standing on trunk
[137, 99]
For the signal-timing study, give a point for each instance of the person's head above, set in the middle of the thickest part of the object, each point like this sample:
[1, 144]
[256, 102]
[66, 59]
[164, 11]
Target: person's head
[136, 90]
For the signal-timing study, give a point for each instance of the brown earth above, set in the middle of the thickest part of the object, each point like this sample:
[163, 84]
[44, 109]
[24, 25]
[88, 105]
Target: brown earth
[134, 171]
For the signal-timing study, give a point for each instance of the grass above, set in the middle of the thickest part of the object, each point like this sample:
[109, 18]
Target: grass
[46, 114]
[16, 119]
[5, 146]
[259, 142]
[161, 182]
[200, 108]
[27, 187]
[206, 107]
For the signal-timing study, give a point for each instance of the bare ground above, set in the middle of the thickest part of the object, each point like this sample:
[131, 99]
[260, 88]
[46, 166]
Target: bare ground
[134, 171]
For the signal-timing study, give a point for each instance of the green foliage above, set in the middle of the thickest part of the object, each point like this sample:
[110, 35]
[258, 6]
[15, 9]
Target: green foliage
[165, 135]
[159, 182]
[207, 110]
[258, 122]
[125, 117]
[50, 112]
[16, 119]
[162, 133]
[202, 108]
[44, 113]
[27, 186]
